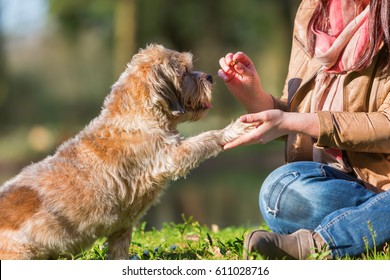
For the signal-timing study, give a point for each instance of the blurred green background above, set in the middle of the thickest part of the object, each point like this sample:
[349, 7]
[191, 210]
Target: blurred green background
[58, 59]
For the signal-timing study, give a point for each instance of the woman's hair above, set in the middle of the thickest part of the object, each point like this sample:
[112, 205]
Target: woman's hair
[379, 30]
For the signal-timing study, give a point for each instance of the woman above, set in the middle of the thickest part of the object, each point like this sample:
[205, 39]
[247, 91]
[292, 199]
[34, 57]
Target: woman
[335, 117]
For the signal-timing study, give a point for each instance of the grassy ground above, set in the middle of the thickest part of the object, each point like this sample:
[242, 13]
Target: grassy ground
[184, 241]
[191, 241]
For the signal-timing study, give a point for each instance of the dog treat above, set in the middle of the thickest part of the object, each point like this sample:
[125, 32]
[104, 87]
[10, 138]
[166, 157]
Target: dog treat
[234, 62]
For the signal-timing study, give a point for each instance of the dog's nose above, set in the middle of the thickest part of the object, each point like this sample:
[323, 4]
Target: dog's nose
[209, 78]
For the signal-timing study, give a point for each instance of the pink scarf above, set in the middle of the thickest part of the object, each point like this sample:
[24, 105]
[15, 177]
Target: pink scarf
[337, 50]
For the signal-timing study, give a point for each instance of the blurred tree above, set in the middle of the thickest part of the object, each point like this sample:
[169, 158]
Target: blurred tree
[3, 79]
[124, 28]
[75, 15]
[288, 8]
[117, 18]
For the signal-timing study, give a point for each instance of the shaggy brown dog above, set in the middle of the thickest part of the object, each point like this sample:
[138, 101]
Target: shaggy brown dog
[103, 180]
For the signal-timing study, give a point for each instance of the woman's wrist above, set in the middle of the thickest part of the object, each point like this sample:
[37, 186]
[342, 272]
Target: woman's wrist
[304, 123]
[261, 102]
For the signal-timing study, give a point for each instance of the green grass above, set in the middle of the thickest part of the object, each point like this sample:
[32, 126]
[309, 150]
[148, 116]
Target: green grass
[191, 241]
[184, 241]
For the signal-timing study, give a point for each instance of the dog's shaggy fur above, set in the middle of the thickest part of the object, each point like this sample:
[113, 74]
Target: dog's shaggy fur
[103, 180]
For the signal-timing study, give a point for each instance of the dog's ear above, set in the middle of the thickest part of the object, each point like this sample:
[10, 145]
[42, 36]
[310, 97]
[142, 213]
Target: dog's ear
[167, 89]
[174, 104]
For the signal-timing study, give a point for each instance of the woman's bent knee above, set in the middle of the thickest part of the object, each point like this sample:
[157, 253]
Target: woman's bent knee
[283, 198]
[299, 195]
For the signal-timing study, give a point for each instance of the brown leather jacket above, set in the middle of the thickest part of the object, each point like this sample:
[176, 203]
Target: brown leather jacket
[362, 129]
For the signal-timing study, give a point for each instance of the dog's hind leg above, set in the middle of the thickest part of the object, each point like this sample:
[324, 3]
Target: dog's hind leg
[8, 255]
[119, 244]
[10, 249]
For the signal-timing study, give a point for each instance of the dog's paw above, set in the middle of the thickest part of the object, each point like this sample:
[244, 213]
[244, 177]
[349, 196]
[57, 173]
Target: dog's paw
[236, 129]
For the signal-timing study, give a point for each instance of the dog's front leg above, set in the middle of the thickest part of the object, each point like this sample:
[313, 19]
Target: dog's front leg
[193, 150]
[119, 244]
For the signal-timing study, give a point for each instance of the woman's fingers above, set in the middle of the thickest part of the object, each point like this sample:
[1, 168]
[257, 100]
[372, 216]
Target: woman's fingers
[226, 72]
[226, 61]
[223, 75]
[232, 64]
[248, 138]
[251, 118]
[224, 64]
[268, 128]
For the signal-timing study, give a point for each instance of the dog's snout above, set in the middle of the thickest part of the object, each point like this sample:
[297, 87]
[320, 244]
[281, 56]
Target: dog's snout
[209, 78]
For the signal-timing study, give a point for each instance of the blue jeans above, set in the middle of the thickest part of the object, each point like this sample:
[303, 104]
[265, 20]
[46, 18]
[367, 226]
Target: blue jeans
[314, 196]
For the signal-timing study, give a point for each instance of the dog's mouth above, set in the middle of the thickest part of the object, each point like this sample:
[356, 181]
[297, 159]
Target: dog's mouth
[204, 106]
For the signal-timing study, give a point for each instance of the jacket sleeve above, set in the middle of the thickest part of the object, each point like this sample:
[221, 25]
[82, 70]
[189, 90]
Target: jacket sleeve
[357, 131]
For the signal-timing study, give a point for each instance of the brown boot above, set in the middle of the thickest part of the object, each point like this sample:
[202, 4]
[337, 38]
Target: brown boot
[296, 246]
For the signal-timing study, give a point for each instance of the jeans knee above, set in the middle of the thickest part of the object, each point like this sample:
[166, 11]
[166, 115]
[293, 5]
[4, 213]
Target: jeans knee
[273, 189]
[283, 196]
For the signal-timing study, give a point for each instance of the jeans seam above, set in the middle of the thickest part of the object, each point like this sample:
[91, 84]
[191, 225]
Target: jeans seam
[329, 241]
[322, 230]
[274, 211]
[343, 215]
[376, 198]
